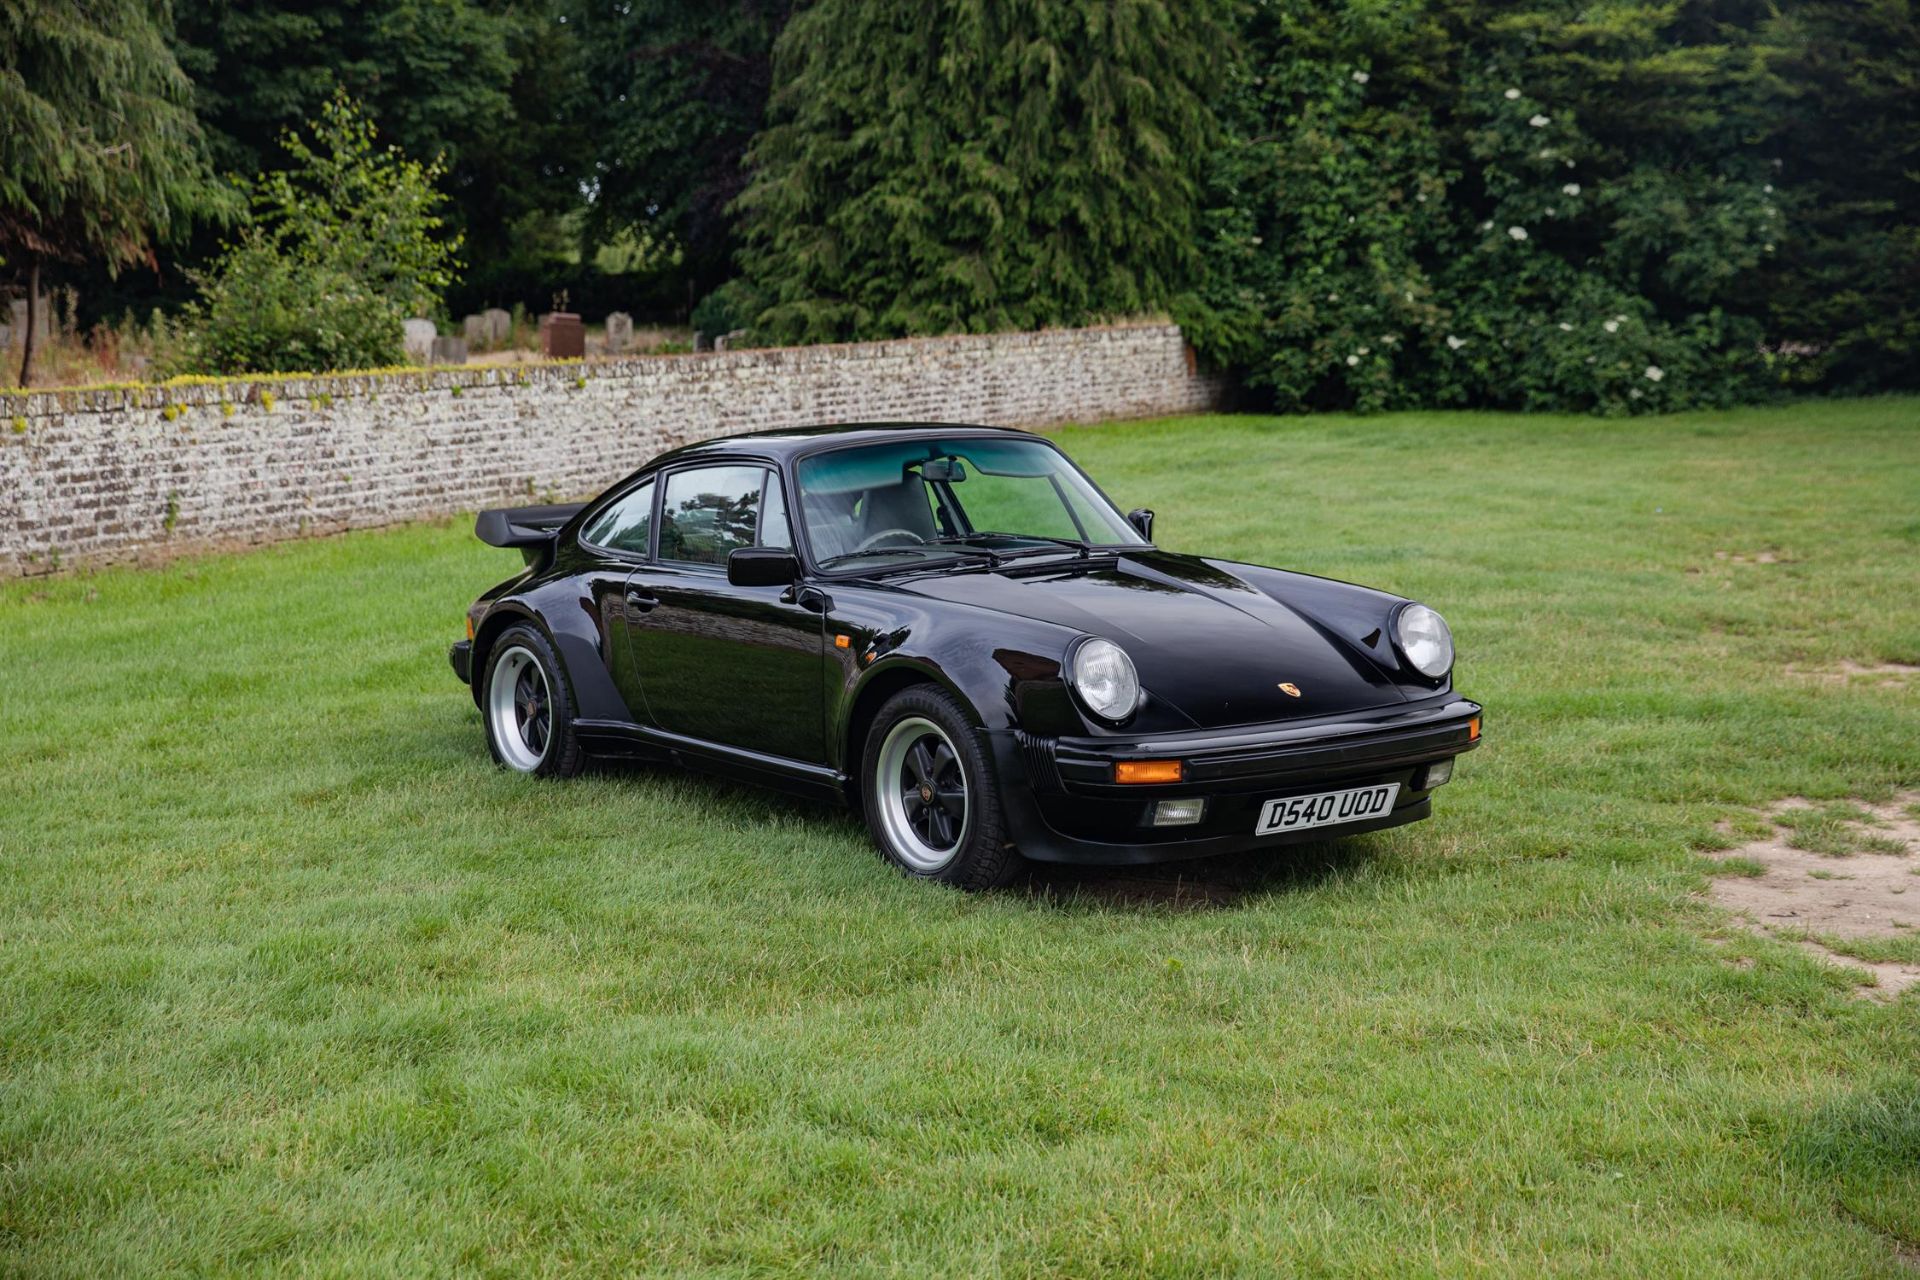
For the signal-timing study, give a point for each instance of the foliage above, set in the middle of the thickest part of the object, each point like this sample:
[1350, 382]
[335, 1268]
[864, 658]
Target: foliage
[374, 212]
[266, 310]
[731, 307]
[477, 83]
[99, 151]
[670, 95]
[1549, 208]
[1845, 290]
[975, 166]
[342, 247]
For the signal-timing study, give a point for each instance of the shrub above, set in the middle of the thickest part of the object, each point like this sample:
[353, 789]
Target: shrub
[341, 248]
[265, 311]
[1422, 204]
[734, 305]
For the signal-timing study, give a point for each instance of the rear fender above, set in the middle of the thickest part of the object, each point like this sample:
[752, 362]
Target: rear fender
[572, 627]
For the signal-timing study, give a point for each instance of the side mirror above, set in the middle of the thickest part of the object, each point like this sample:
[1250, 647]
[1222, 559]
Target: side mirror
[1142, 521]
[762, 567]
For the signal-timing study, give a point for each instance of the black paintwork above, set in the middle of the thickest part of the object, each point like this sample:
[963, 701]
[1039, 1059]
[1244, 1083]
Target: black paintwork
[671, 661]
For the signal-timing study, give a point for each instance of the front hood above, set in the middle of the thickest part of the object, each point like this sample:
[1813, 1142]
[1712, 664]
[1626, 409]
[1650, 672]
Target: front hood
[1206, 642]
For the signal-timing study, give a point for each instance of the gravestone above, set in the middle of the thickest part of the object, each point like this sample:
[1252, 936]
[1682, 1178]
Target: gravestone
[474, 329]
[726, 340]
[449, 350]
[499, 326]
[562, 336]
[619, 332]
[418, 341]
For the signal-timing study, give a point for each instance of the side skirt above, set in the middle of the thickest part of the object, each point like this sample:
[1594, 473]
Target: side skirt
[614, 738]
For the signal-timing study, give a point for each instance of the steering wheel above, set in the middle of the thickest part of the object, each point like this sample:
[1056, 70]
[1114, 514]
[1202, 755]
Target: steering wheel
[871, 539]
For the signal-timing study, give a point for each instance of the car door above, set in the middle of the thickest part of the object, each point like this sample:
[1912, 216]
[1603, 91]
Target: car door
[737, 666]
[618, 537]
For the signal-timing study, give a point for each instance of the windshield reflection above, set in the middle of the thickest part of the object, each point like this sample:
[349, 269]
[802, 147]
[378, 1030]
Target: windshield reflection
[891, 505]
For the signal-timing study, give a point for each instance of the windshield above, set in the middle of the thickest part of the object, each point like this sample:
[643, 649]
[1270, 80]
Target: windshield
[900, 504]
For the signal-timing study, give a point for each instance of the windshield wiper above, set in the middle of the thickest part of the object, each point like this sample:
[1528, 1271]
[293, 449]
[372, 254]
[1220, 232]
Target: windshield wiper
[1084, 548]
[901, 551]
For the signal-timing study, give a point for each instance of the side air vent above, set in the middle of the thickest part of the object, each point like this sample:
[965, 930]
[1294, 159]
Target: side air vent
[1042, 772]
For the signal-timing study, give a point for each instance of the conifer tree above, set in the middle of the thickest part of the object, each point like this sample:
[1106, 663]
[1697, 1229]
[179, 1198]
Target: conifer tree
[99, 151]
[975, 165]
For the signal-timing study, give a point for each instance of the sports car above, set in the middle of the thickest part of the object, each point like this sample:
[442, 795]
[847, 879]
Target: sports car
[953, 630]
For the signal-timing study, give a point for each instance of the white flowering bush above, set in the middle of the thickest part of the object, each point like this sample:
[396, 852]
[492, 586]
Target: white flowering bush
[1532, 212]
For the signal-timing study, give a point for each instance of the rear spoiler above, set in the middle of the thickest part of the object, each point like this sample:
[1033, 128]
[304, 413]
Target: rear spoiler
[531, 529]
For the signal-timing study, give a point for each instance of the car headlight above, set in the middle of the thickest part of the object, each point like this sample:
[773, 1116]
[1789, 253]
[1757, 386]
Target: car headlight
[1423, 637]
[1104, 677]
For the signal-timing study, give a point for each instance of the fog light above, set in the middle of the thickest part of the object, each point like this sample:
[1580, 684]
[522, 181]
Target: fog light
[1179, 813]
[1439, 773]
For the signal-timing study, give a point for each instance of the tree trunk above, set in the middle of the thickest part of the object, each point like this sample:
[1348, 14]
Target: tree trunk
[33, 321]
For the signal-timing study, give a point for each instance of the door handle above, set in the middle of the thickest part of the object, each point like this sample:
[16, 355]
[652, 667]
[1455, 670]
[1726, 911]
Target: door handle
[641, 601]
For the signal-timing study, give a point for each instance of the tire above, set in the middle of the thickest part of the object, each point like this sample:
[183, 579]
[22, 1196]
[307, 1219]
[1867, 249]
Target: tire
[931, 798]
[528, 708]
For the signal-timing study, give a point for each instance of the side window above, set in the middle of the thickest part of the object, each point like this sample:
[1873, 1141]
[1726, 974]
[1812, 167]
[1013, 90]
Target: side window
[774, 530]
[709, 512]
[624, 526]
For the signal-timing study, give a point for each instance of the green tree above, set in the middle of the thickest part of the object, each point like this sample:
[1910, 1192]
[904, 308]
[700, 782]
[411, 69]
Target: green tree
[671, 94]
[1844, 293]
[100, 153]
[342, 245]
[479, 83]
[976, 166]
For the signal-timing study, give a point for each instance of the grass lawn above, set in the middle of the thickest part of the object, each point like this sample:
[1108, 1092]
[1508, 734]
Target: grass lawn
[293, 980]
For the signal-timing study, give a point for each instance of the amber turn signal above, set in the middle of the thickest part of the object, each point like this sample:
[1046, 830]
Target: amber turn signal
[1473, 729]
[469, 626]
[1148, 771]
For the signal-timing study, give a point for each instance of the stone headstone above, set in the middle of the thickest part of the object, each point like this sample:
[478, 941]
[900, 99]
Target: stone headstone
[619, 332]
[562, 336]
[449, 350]
[499, 326]
[702, 341]
[474, 330]
[418, 341]
[726, 340]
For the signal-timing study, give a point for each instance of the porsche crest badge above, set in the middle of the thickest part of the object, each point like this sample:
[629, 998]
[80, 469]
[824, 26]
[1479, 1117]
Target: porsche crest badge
[1290, 689]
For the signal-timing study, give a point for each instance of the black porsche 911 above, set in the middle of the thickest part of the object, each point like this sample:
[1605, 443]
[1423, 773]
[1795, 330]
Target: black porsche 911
[954, 630]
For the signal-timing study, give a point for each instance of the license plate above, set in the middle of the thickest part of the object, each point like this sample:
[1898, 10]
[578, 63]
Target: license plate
[1297, 813]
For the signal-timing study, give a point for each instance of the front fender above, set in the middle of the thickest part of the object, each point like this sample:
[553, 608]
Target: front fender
[1004, 668]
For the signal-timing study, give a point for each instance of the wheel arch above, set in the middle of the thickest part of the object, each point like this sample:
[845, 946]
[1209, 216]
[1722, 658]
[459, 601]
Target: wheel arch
[499, 619]
[873, 693]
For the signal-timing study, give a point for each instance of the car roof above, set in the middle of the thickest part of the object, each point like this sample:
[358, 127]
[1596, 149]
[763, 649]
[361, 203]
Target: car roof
[781, 445]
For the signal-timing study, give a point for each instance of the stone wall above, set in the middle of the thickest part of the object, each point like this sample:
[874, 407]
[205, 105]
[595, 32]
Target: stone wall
[88, 477]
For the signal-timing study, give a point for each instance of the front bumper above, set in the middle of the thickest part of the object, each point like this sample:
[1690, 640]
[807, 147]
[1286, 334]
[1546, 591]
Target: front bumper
[1062, 805]
[461, 656]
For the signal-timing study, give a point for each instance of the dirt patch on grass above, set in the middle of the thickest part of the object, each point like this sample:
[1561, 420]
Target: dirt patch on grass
[1847, 672]
[1754, 557]
[1839, 879]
